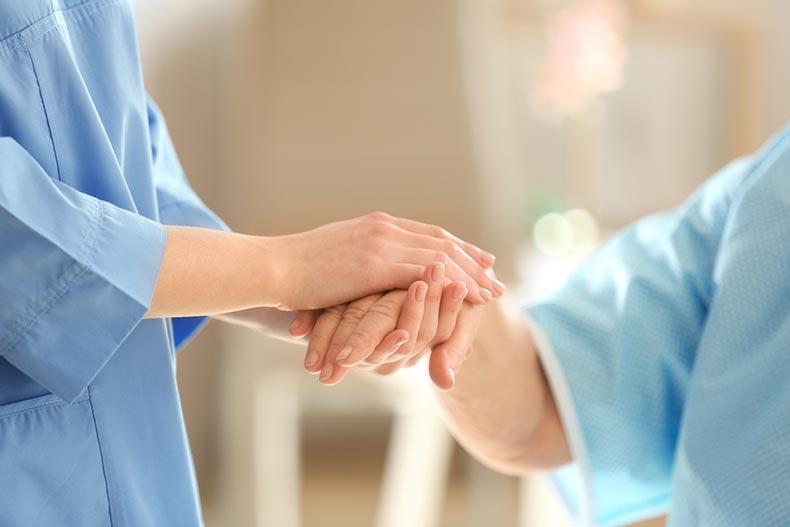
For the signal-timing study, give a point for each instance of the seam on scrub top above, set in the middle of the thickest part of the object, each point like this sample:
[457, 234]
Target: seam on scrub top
[101, 455]
[174, 203]
[46, 114]
[41, 406]
[29, 34]
[775, 149]
[65, 281]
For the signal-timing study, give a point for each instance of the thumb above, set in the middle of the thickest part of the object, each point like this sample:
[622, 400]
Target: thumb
[445, 361]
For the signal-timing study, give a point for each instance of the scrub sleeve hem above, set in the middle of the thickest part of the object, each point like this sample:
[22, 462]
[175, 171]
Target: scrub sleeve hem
[94, 304]
[574, 482]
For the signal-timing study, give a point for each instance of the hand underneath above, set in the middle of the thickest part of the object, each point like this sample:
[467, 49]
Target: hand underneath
[386, 332]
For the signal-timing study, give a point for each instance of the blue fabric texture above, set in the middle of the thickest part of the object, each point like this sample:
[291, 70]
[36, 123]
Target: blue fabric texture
[673, 340]
[91, 431]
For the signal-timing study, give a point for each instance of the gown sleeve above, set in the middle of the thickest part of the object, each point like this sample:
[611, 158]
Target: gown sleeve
[178, 203]
[618, 342]
[69, 297]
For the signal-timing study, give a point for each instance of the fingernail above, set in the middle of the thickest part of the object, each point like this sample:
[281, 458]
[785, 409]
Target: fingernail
[499, 286]
[459, 292]
[311, 359]
[420, 293]
[326, 373]
[486, 294]
[295, 325]
[452, 378]
[344, 353]
[489, 258]
[437, 275]
[401, 342]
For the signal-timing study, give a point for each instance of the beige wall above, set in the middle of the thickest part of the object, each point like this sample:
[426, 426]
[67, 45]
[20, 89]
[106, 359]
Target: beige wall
[291, 113]
[337, 108]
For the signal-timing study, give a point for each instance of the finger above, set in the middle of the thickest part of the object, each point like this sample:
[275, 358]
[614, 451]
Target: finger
[388, 368]
[303, 323]
[453, 251]
[380, 320]
[452, 300]
[388, 346]
[323, 331]
[394, 276]
[410, 319]
[484, 258]
[447, 359]
[425, 257]
[434, 276]
[331, 373]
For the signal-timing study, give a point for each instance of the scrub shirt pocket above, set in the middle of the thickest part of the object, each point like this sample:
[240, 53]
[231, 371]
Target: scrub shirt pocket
[51, 469]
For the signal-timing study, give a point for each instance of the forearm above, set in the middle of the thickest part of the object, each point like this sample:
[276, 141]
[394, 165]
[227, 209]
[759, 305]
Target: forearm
[206, 272]
[501, 409]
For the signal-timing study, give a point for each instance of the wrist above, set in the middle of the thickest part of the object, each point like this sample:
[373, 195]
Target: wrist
[269, 272]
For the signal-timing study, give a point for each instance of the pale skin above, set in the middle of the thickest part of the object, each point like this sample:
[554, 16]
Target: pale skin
[268, 283]
[499, 407]
[316, 269]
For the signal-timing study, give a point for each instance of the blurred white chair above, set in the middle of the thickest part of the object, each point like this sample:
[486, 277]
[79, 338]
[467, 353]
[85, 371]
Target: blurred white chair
[266, 394]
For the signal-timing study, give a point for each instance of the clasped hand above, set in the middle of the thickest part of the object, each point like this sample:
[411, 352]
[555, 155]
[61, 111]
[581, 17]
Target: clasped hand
[385, 332]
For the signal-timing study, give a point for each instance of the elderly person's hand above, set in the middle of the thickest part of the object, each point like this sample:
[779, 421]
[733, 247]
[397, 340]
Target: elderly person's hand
[386, 332]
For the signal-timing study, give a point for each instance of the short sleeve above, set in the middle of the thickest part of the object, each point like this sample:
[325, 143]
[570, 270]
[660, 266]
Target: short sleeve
[619, 342]
[69, 295]
[177, 202]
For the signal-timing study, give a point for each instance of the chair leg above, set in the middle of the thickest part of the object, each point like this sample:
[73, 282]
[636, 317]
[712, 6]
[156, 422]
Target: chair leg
[415, 473]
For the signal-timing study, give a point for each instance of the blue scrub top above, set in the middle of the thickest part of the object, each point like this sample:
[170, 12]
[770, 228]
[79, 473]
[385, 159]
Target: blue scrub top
[91, 431]
[669, 355]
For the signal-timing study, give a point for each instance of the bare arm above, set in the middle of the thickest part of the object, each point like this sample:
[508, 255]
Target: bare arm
[207, 272]
[499, 405]
[501, 408]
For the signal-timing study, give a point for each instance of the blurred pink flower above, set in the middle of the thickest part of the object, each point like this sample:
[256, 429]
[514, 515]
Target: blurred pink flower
[585, 57]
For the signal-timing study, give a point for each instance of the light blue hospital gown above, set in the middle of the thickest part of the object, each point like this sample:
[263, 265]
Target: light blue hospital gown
[669, 352]
[91, 431]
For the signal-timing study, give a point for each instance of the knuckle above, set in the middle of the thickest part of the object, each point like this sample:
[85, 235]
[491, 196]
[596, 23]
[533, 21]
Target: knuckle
[385, 309]
[378, 216]
[426, 335]
[439, 232]
[354, 313]
[441, 336]
[481, 277]
[377, 229]
[381, 231]
[449, 247]
[334, 312]
[361, 339]
[333, 350]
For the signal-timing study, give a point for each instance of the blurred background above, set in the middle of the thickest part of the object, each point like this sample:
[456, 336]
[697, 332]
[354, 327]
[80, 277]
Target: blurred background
[534, 128]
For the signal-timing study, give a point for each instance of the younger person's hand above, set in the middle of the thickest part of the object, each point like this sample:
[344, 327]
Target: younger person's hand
[346, 260]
